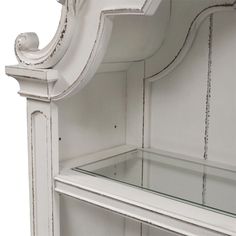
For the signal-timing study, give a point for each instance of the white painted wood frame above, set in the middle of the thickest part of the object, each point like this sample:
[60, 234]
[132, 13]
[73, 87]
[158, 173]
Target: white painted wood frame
[113, 80]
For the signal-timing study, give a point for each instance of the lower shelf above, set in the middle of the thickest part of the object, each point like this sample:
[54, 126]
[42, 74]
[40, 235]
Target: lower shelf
[183, 195]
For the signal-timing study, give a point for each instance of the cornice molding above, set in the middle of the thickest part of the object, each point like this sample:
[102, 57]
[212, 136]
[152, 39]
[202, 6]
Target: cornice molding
[34, 83]
[80, 43]
[27, 44]
[99, 15]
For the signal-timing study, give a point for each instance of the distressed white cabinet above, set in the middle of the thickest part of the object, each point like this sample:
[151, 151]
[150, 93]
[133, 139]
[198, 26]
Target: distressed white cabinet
[131, 119]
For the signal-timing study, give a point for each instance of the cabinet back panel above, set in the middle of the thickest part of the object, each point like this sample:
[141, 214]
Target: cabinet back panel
[193, 109]
[94, 119]
[222, 128]
[177, 106]
[221, 144]
[81, 219]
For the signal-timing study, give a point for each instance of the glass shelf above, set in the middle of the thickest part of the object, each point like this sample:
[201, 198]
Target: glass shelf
[205, 184]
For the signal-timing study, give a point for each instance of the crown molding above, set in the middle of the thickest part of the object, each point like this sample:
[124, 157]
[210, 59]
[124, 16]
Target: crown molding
[34, 83]
[81, 21]
[80, 43]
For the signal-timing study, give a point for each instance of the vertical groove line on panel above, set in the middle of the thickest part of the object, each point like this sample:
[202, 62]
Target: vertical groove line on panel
[143, 121]
[143, 125]
[208, 106]
[126, 104]
[143, 133]
[52, 173]
[32, 174]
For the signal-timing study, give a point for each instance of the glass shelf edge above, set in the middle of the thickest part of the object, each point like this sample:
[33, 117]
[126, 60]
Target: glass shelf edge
[190, 159]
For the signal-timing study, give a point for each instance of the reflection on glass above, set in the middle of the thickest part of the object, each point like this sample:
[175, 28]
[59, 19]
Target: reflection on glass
[190, 181]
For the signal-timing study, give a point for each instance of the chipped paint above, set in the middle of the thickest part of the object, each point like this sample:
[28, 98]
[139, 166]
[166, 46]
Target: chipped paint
[208, 108]
[57, 46]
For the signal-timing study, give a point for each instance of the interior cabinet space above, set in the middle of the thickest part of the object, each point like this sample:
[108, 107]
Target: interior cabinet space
[99, 219]
[140, 120]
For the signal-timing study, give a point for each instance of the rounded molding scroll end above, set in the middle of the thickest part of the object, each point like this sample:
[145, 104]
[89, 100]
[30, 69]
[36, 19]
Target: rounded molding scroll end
[27, 42]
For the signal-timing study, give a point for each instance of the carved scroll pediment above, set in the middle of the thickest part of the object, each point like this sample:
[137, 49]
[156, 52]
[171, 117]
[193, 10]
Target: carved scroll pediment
[26, 44]
[82, 38]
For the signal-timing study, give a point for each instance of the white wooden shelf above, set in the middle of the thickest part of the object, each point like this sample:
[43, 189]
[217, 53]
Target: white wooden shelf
[112, 180]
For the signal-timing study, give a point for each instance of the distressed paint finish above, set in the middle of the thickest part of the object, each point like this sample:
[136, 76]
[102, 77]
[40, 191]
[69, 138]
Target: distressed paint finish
[208, 107]
[34, 83]
[161, 212]
[43, 166]
[59, 51]
[190, 37]
[26, 44]
[64, 67]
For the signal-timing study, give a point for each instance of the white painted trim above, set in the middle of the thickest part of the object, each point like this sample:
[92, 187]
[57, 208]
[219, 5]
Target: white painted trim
[144, 206]
[34, 83]
[29, 55]
[43, 167]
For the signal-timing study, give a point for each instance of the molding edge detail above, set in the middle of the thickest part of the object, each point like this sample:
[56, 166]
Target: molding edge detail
[190, 37]
[34, 83]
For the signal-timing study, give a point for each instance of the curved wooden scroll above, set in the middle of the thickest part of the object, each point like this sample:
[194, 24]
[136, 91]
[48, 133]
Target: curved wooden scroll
[81, 62]
[26, 44]
[77, 62]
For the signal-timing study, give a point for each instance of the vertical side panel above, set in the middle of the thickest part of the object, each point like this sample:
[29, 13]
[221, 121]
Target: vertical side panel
[134, 126]
[42, 168]
[134, 123]
[178, 102]
[146, 114]
[55, 206]
[94, 119]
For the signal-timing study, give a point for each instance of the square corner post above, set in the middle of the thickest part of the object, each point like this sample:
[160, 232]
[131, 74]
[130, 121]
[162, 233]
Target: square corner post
[42, 116]
[43, 166]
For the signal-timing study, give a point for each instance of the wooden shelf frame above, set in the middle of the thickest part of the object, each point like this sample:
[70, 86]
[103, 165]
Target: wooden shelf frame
[138, 204]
